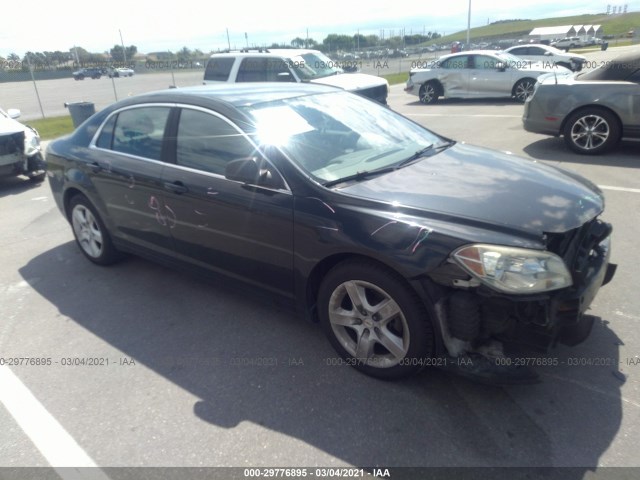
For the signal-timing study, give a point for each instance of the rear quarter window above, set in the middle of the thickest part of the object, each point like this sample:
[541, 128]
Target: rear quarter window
[218, 69]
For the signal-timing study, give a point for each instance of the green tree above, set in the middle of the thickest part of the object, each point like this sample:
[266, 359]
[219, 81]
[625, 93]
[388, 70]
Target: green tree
[184, 54]
[118, 56]
[334, 42]
[300, 42]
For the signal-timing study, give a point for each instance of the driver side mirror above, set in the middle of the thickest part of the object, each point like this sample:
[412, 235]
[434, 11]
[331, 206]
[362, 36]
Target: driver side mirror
[13, 113]
[252, 171]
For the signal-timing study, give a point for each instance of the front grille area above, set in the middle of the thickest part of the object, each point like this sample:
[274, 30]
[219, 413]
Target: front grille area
[13, 143]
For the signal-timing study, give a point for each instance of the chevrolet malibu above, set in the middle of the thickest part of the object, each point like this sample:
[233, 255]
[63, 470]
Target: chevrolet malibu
[410, 249]
[476, 74]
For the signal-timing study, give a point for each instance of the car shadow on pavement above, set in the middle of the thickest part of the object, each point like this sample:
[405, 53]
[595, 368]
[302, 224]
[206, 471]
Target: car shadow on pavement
[19, 184]
[248, 358]
[554, 149]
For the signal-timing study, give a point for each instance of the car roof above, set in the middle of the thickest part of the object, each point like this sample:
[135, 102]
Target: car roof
[236, 94]
[280, 52]
[620, 68]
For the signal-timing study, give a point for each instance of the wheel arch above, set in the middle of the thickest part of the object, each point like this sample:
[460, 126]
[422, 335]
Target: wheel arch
[66, 199]
[320, 270]
[74, 191]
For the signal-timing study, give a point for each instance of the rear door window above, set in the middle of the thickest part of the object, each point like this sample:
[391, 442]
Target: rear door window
[137, 131]
[218, 69]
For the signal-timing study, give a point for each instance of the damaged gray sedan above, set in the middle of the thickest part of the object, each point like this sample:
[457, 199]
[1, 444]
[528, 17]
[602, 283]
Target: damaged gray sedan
[20, 152]
[410, 249]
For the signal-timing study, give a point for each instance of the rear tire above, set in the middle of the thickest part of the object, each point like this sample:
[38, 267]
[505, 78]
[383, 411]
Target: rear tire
[592, 131]
[374, 320]
[90, 232]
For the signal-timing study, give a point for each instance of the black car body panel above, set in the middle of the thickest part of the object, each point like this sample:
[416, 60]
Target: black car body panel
[286, 234]
[492, 188]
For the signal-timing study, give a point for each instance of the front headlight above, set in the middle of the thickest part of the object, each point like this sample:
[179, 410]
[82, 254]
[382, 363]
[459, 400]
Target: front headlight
[31, 141]
[514, 270]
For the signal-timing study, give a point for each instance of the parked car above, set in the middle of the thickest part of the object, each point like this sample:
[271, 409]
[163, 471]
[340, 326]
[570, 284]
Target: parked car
[20, 152]
[592, 110]
[567, 43]
[411, 250]
[293, 65]
[121, 72]
[476, 74]
[93, 73]
[547, 54]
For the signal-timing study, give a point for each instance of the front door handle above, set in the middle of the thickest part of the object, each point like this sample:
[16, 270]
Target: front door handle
[176, 187]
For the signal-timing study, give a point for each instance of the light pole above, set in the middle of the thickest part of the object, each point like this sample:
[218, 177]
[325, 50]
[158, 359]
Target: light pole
[469, 26]
[124, 52]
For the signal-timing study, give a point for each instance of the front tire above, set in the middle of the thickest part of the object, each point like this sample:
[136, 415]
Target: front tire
[429, 93]
[523, 89]
[374, 320]
[592, 131]
[90, 232]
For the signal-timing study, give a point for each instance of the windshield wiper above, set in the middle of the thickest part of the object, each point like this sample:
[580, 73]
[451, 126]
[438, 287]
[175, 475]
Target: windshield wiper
[363, 175]
[429, 149]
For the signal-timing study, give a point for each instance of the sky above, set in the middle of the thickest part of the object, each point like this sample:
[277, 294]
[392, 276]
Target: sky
[155, 26]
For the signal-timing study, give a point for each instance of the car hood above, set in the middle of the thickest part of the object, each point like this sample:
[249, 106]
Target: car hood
[489, 187]
[351, 81]
[9, 126]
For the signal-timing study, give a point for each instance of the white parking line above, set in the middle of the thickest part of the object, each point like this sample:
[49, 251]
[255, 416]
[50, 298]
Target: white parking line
[619, 189]
[56, 445]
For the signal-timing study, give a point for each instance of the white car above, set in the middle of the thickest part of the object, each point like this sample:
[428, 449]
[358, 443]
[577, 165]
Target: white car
[545, 53]
[20, 152]
[121, 72]
[476, 74]
[293, 65]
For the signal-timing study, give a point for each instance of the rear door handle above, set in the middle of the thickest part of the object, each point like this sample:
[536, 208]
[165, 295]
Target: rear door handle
[176, 187]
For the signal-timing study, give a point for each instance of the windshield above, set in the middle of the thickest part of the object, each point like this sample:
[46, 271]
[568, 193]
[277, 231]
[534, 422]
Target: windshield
[510, 59]
[332, 136]
[310, 66]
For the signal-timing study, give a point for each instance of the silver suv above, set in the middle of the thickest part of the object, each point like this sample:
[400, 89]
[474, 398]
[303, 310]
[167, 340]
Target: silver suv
[568, 42]
[291, 65]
